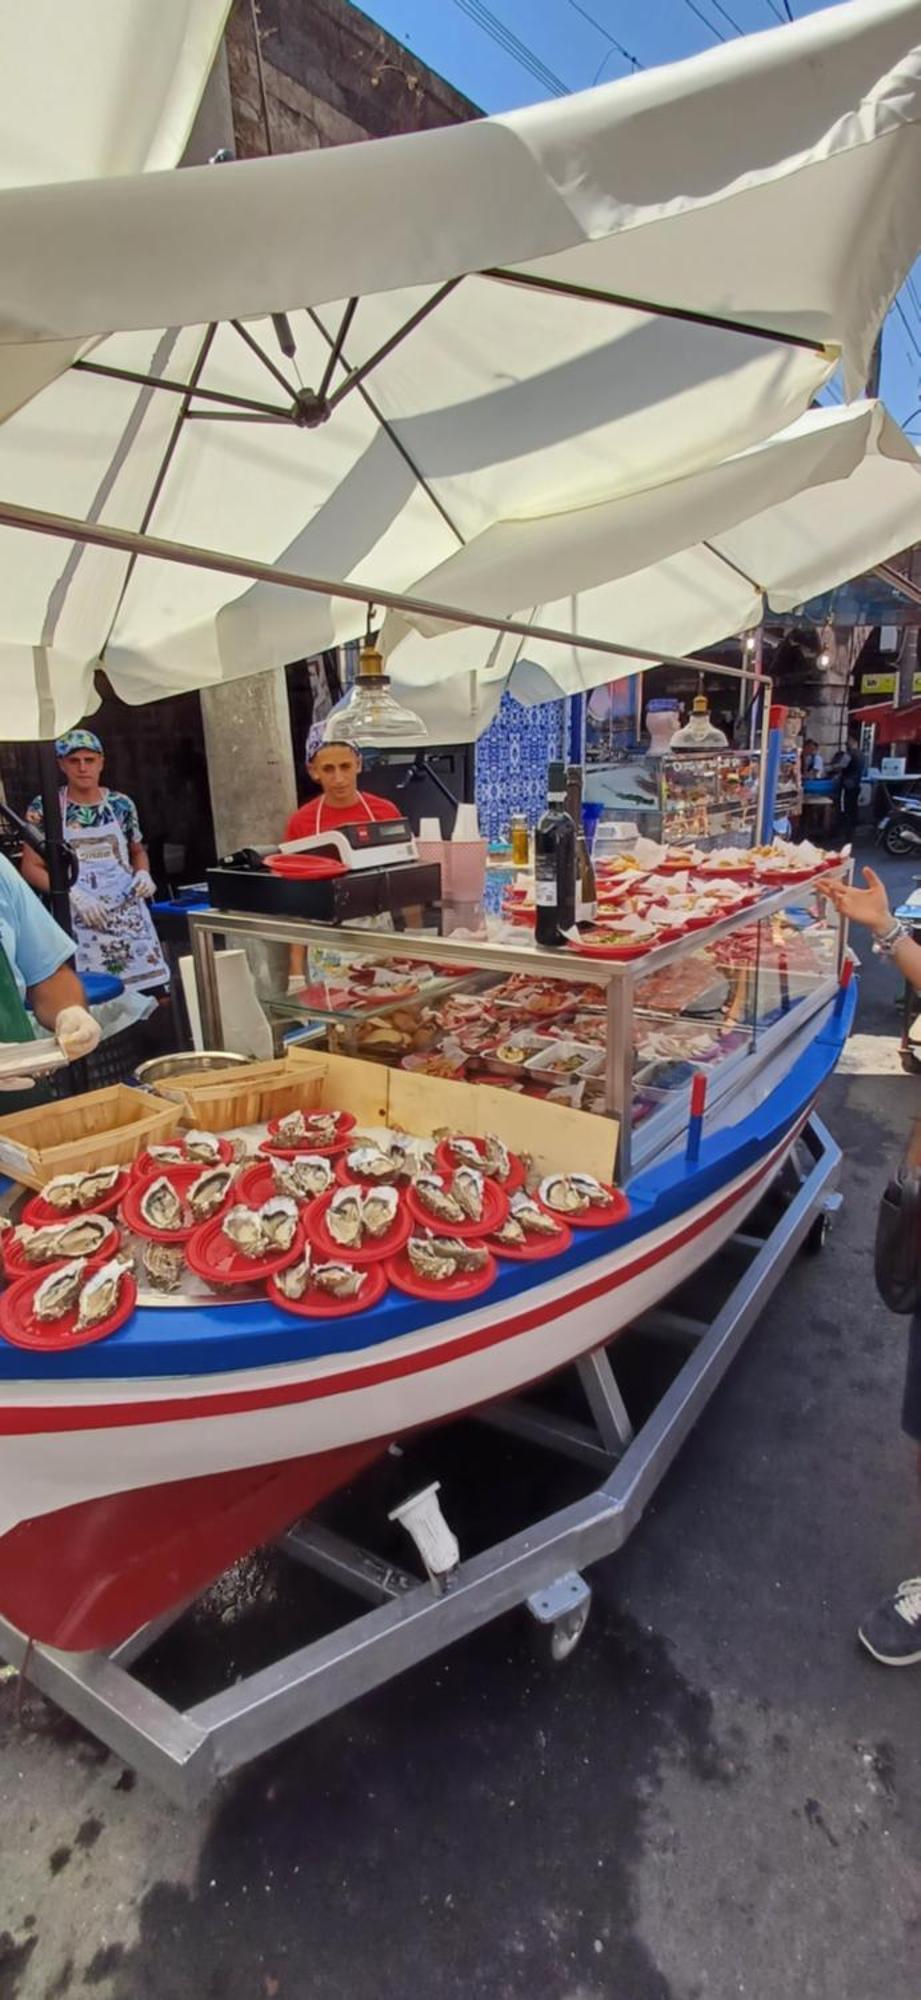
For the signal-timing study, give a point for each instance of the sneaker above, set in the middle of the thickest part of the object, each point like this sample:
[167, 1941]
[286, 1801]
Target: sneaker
[892, 1633]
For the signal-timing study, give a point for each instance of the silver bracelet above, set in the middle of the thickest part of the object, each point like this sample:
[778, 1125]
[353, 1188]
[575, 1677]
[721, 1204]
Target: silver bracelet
[885, 946]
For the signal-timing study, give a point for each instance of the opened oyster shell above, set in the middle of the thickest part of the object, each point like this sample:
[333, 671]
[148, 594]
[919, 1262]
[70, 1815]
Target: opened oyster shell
[63, 1192]
[321, 1127]
[163, 1265]
[372, 1164]
[208, 1191]
[339, 1279]
[512, 1231]
[243, 1227]
[278, 1217]
[495, 1158]
[96, 1184]
[524, 1211]
[468, 1187]
[437, 1198]
[204, 1146]
[58, 1241]
[99, 1296]
[59, 1291]
[563, 1195]
[465, 1152]
[465, 1256]
[294, 1282]
[429, 1262]
[160, 1206]
[291, 1128]
[167, 1156]
[344, 1218]
[304, 1178]
[379, 1210]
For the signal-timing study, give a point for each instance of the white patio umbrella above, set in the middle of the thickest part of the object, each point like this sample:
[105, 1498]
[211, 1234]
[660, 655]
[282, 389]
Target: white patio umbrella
[506, 322]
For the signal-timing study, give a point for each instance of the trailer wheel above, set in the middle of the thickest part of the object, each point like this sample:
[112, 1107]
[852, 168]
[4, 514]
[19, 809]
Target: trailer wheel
[567, 1631]
[818, 1235]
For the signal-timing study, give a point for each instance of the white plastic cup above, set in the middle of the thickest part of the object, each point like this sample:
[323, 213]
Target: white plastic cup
[430, 829]
[466, 825]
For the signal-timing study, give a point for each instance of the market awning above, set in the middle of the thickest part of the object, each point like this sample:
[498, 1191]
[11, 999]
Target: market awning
[494, 326]
[893, 725]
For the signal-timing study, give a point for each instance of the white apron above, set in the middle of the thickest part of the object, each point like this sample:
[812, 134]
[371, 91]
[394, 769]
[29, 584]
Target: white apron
[128, 947]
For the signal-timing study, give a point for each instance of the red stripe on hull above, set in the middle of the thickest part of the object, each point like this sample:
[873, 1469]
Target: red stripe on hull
[89, 1575]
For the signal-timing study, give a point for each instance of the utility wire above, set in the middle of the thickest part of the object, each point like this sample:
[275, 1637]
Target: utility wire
[718, 8]
[711, 30]
[520, 52]
[611, 40]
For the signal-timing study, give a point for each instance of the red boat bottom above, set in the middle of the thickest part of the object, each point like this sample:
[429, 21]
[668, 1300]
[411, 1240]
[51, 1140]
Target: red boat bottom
[90, 1575]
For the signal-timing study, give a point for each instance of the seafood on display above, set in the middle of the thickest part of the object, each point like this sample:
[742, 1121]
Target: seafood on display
[99, 1295]
[203, 1146]
[530, 1218]
[162, 1265]
[494, 1159]
[440, 1201]
[572, 1194]
[243, 1227]
[278, 1216]
[465, 1152]
[319, 1128]
[294, 1282]
[58, 1241]
[372, 1163]
[59, 1291]
[303, 1178]
[75, 1191]
[442, 1257]
[468, 1188]
[208, 1191]
[291, 1128]
[160, 1206]
[340, 1280]
[167, 1156]
[379, 1211]
[344, 1218]
[511, 1231]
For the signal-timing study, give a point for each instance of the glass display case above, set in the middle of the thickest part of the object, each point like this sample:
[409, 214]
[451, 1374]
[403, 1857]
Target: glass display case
[622, 1038]
[709, 795]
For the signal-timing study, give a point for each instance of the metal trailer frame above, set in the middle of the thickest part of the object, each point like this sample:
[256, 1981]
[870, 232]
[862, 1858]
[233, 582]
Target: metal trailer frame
[188, 1751]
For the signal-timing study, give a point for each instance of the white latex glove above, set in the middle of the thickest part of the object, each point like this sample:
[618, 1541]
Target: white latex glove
[88, 910]
[76, 1033]
[143, 884]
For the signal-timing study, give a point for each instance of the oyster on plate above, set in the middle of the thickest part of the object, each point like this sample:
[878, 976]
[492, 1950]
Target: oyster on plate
[562, 1193]
[438, 1199]
[468, 1187]
[371, 1163]
[412, 1156]
[160, 1206]
[465, 1152]
[291, 1128]
[63, 1192]
[167, 1156]
[163, 1265]
[208, 1191]
[512, 1231]
[96, 1184]
[322, 1127]
[495, 1159]
[59, 1291]
[278, 1217]
[339, 1280]
[524, 1211]
[466, 1256]
[430, 1262]
[303, 1178]
[344, 1219]
[295, 1281]
[99, 1296]
[379, 1210]
[62, 1240]
[203, 1146]
[243, 1227]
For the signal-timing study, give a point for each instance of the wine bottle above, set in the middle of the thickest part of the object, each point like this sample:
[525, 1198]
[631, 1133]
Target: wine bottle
[586, 892]
[554, 866]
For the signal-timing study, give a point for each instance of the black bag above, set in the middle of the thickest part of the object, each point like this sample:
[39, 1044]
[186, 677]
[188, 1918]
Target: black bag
[897, 1250]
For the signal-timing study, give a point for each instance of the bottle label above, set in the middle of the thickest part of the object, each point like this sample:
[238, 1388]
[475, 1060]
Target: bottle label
[545, 891]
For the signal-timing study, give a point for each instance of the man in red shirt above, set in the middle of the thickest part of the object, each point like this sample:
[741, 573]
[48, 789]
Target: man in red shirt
[335, 767]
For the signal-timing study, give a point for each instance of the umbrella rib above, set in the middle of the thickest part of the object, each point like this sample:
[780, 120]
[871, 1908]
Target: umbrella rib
[395, 440]
[266, 359]
[560, 288]
[68, 527]
[734, 566]
[177, 388]
[336, 350]
[356, 375]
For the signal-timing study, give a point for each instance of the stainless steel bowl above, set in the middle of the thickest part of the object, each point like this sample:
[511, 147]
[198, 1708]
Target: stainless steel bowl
[181, 1063]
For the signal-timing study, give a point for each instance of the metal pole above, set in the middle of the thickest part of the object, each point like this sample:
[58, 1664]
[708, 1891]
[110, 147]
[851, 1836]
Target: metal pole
[58, 893]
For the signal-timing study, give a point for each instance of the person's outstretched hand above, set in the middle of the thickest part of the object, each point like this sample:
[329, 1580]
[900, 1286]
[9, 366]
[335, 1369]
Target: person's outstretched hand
[869, 906]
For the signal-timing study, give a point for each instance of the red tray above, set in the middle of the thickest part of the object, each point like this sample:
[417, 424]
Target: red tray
[495, 1210]
[371, 1252]
[304, 867]
[615, 951]
[445, 1164]
[15, 1266]
[317, 1304]
[144, 1167]
[616, 1210]
[788, 878]
[19, 1325]
[257, 1184]
[306, 1145]
[181, 1178]
[467, 1284]
[212, 1256]
[535, 1248]
[38, 1211]
[346, 1178]
[726, 874]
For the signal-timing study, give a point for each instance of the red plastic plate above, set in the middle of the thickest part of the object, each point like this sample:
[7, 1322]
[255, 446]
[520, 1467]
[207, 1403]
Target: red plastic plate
[19, 1325]
[345, 1177]
[305, 867]
[212, 1256]
[616, 1210]
[495, 1210]
[445, 1163]
[181, 1178]
[467, 1284]
[783, 878]
[372, 1250]
[345, 1125]
[535, 1248]
[38, 1211]
[257, 1184]
[15, 1265]
[317, 1304]
[743, 874]
[144, 1166]
[616, 951]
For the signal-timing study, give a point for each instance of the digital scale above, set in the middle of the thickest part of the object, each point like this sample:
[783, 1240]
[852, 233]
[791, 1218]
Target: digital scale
[369, 844]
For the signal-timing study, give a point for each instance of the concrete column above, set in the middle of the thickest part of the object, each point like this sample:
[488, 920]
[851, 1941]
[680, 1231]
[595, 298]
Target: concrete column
[252, 783]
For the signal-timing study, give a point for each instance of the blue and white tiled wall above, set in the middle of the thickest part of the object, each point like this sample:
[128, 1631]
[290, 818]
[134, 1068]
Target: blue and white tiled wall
[512, 758]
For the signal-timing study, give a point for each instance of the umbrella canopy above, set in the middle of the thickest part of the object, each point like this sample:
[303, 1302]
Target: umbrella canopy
[494, 325]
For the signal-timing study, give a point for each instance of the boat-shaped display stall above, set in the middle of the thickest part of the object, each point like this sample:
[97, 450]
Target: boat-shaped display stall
[551, 1143]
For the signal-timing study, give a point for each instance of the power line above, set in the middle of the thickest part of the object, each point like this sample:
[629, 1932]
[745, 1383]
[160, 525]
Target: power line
[519, 51]
[718, 7]
[778, 16]
[711, 30]
[611, 40]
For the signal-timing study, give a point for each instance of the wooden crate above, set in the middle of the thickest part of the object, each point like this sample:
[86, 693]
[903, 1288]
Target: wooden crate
[222, 1100]
[100, 1129]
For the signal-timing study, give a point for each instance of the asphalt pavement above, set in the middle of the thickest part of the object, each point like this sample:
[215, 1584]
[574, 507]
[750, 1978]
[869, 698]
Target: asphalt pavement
[718, 1794]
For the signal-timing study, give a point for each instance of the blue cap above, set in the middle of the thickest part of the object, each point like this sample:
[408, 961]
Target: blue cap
[77, 739]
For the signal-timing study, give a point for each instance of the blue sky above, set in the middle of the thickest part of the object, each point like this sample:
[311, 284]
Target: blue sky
[562, 43]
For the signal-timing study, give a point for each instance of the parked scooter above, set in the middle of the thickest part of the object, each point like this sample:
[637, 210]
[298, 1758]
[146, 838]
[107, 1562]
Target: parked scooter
[899, 831]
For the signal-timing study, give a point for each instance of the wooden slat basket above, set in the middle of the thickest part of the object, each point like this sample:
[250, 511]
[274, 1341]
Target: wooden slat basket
[223, 1100]
[101, 1129]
